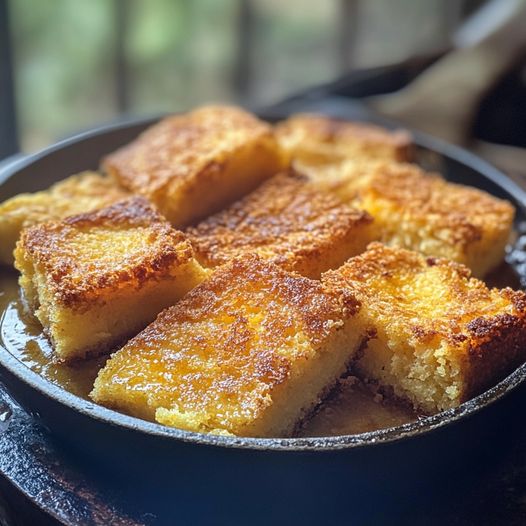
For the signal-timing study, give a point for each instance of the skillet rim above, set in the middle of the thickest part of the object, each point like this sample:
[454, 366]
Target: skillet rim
[421, 426]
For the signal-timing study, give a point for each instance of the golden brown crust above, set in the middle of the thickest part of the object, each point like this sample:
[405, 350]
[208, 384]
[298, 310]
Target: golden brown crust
[433, 299]
[317, 306]
[462, 211]
[387, 277]
[78, 193]
[381, 262]
[421, 211]
[496, 347]
[285, 220]
[181, 148]
[132, 212]
[303, 132]
[224, 348]
[78, 270]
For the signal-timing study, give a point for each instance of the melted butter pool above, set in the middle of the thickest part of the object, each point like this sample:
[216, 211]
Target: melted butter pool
[22, 336]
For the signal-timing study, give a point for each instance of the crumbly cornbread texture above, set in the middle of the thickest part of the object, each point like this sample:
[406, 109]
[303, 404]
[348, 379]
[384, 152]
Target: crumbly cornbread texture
[421, 211]
[95, 279]
[442, 337]
[249, 352]
[288, 221]
[195, 164]
[315, 140]
[77, 194]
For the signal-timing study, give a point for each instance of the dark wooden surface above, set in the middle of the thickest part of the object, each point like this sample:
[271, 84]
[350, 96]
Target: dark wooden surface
[8, 127]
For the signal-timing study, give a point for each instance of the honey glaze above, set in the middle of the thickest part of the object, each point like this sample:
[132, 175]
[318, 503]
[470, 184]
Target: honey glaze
[352, 408]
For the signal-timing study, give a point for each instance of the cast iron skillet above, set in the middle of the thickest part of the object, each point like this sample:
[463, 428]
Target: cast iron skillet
[255, 479]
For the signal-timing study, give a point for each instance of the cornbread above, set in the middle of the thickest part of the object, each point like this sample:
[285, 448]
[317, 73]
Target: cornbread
[317, 140]
[195, 164]
[249, 352]
[95, 279]
[442, 336]
[289, 222]
[423, 212]
[77, 194]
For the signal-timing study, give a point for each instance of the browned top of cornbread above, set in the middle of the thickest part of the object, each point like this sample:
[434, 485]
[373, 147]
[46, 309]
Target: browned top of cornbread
[222, 349]
[310, 129]
[454, 213]
[428, 297]
[180, 147]
[83, 255]
[85, 185]
[78, 193]
[285, 219]
[84, 191]
[250, 278]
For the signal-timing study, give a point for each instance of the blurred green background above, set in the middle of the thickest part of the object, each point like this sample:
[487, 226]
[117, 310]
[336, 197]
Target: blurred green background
[78, 63]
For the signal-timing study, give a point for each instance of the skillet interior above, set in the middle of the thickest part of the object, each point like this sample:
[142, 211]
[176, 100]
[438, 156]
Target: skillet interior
[84, 151]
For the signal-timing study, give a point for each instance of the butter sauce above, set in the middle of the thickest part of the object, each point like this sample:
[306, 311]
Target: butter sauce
[21, 334]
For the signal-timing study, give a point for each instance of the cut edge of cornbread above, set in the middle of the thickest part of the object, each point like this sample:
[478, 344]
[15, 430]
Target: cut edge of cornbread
[288, 221]
[458, 340]
[295, 373]
[76, 194]
[77, 335]
[195, 164]
[90, 314]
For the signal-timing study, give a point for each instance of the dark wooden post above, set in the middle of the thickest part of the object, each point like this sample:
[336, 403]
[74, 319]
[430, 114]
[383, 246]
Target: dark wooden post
[347, 25]
[8, 126]
[122, 88]
[242, 74]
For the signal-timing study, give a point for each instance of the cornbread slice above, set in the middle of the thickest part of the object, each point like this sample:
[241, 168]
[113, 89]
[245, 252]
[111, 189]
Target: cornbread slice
[77, 194]
[95, 279]
[423, 212]
[193, 165]
[288, 221]
[314, 140]
[249, 352]
[442, 337]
